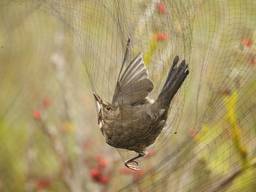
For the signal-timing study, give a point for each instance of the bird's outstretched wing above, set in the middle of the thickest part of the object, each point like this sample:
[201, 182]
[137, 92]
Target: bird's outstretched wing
[133, 84]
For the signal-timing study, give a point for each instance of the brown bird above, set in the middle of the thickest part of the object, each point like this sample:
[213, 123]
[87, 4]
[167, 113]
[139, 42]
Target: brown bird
[133, 121]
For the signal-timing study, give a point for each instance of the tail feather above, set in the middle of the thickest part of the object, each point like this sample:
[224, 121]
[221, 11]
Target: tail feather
[175, 78]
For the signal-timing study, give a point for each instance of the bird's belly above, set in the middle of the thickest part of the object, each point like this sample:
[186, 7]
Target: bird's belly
[132, 135]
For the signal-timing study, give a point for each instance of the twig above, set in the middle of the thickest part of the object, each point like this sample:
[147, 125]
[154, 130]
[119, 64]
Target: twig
[58, 148]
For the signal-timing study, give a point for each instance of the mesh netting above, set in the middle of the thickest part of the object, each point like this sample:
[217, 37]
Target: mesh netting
[55, 53]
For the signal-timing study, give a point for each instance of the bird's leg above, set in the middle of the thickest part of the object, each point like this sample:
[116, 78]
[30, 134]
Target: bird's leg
[132, 160]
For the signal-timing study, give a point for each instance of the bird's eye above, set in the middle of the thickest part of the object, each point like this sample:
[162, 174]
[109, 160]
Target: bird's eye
[108, 108]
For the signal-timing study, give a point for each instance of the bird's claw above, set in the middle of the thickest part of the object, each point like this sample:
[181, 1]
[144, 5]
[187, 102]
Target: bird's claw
[132, 167]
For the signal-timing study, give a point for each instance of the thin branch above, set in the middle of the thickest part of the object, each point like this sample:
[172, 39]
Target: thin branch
[58, 149]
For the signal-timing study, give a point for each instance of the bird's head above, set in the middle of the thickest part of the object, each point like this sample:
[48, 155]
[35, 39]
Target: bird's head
[105, 110]
[101, 105]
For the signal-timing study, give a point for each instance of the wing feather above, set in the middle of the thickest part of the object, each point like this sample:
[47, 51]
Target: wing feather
[133, 85]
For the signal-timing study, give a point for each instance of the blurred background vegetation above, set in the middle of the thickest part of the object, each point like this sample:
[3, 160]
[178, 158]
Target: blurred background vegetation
[55, 53]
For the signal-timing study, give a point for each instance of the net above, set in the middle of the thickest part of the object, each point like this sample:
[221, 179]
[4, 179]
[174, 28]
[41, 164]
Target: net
[55, 53]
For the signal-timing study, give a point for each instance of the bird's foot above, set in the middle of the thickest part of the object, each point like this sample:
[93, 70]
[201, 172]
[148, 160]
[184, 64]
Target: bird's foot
[129, 165]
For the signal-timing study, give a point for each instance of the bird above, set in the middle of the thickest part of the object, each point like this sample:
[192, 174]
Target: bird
[133, 120]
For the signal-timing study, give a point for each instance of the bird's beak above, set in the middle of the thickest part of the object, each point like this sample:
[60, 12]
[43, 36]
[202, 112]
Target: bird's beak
[98, 102]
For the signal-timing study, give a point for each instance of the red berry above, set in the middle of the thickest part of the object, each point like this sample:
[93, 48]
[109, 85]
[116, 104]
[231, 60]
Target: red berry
[104, 180]
[37, 115]
[43, 183]
[246, 42]
[98, 177]
[161, 8]
[46, 102]
[161, 36]
[95, 173]
[101, 162]
[253, 60]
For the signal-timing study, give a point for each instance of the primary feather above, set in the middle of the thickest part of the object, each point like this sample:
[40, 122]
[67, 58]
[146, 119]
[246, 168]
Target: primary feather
[133, 85]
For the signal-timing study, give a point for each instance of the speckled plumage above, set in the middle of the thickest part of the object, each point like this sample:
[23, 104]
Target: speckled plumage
[133, 121]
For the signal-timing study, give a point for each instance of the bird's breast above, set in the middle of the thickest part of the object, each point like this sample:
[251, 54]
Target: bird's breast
[133, 128]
